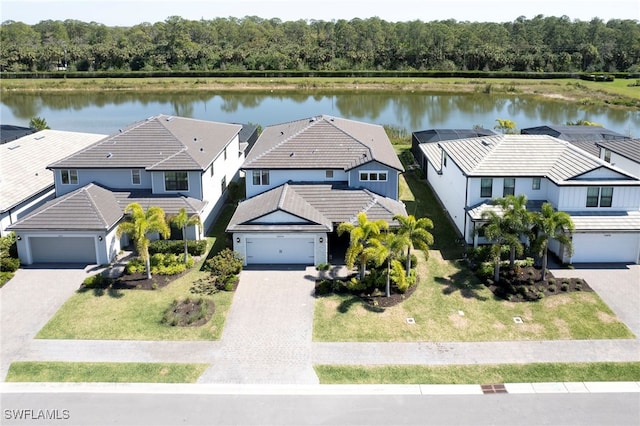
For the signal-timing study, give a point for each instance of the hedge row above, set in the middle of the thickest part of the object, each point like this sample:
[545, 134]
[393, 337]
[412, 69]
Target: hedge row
[195, 248]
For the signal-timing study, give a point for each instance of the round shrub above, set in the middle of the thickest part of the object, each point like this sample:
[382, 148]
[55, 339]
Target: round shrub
[564, 287]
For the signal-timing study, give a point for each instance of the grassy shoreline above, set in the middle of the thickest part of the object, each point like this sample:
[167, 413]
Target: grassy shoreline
[616, 94]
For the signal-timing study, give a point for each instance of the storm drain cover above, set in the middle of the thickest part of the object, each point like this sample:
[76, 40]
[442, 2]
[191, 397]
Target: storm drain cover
[411, 321]
[461, 313]
[517, 320]
[497, 388]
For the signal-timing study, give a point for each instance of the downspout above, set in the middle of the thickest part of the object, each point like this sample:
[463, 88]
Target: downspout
[466, 199]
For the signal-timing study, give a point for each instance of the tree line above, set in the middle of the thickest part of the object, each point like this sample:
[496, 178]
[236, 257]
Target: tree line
[541, 44]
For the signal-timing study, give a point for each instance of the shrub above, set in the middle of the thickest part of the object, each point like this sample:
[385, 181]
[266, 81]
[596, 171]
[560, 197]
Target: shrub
[161, 264]
[414, 260]
[185, 312]
[540, 295]
[552, 281]
[485, 270]
[194, 247]
[564, 287]
[96, 281]
[399, 276]
[226, 262]
[552, 288]
[9, 264]
[323, 267]
[355, 285]
[578, 287]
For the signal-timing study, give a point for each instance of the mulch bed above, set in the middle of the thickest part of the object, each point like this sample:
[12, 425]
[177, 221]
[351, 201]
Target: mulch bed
[378, 299]
[182, 313]
[137, 281]
[525, 284]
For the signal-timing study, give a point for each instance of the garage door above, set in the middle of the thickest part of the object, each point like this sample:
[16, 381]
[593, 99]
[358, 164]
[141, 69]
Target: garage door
[62, 249]
[605, 248]
[280, 250]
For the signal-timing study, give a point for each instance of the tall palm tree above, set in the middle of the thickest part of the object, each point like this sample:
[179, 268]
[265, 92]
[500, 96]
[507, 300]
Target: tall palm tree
[498, 230]
[139, 225]
[517, 220]
[386, 247]
[552, 224]
[416, 232]
[359, 236]
[182, 220]
[38, 123]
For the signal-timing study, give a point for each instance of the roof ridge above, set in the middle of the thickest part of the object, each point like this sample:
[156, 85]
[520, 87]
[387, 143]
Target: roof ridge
[499, 140]
[370, 156]
[95, 206]
[283, 195]
[311, 120]
[184, 149]
[56, 201]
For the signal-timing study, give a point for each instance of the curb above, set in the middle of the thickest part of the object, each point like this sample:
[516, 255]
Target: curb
[234, 389]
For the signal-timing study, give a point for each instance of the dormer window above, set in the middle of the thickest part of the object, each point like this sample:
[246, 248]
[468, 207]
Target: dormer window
[69, 177]
[373, 176]
[135, 177]
[607, 155]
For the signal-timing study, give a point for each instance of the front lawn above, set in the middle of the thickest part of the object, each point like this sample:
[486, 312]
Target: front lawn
[450, 303]
[129, 372]
[480, 374]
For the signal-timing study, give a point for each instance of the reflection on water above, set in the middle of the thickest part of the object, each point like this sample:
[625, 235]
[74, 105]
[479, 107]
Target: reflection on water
[106, 112]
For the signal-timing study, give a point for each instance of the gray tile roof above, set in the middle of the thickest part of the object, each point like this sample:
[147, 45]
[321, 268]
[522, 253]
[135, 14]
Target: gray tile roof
[628, 148]
[23, 162]
[320, 204]
[88, 208]
[159, 143]
[521, 155]
[606, 221]
[94, 207]
[322, 142]
[475, 212]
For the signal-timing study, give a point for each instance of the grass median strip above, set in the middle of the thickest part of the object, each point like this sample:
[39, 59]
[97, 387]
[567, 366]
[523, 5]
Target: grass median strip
[134, 372]
[470, 374]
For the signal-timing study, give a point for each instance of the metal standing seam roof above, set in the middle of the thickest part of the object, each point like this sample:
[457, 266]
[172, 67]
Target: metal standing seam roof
[322, 142]
[23, 162]
[319, 203]
[521, 155]
[159, 143]
[628, 148]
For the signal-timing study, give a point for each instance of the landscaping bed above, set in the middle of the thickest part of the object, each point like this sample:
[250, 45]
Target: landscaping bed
[525, 284]
[375, 298]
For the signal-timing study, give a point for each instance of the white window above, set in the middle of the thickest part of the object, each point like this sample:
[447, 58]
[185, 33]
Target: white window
[607, 155]
[69, 177]
[486, 187]
[509, 187]
[261, 177]
[135, 177]
[535, 184]
[373, 176]
[176, 181]
[599, 197]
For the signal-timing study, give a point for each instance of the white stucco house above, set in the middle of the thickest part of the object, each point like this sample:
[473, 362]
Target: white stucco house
[623, 154]
[603, 200]
[164, 161]
[303, 178]
[25, 181]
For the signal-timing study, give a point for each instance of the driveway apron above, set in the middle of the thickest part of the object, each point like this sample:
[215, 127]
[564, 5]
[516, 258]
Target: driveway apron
[268, 332]
[617, 284]
[28, 301]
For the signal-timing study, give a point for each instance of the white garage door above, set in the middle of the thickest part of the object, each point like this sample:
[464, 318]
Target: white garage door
[62, 249]
[605, 248]
[280, 250]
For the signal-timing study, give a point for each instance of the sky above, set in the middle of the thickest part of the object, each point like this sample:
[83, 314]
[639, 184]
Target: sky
[129, 13]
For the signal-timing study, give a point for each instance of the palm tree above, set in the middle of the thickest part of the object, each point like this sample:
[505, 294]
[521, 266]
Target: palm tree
[498, 230]
[359, 236]
[517, 220]
[552, 224]
[38, 123]
[140, 224]
[416, 232]
[182, 220]
[386, 247]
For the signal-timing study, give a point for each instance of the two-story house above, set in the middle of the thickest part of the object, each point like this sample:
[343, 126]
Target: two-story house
[624, 154]
[303, 178]
[603, 200]
[164, 161]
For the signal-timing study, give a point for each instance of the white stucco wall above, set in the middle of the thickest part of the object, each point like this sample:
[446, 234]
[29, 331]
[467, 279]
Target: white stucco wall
[450, 187]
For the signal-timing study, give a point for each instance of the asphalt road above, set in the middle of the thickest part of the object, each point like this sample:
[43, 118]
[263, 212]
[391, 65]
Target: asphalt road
[72, 408]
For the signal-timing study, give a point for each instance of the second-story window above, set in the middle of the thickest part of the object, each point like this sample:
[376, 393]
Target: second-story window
[600, 197]
[135, 177]
[607, 155]
[328, 174]
[261, 177]
[509, 187]
[373, 176]
[486, 188]
[176, 181]
[69, 177]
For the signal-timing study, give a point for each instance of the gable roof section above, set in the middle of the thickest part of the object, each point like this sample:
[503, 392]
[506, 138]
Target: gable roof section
[159, 143]
[23, 162]
[88, 208]
[322, 142]
[320, 204]
[628, 148]
[437, 135]
[525, 155]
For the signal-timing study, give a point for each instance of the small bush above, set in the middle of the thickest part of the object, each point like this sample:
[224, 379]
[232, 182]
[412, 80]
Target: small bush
[485, 270]
[96, 281]
[9, 264]
[552, 281]
[226, 262]
[578, 287]
[552, 288]
[323, 267]
[355, 285]
[564, 287]
[185, 312]
[540, 295]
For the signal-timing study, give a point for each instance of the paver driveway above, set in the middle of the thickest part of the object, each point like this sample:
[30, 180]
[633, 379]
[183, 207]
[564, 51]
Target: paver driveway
[267, 335]
[29, 300]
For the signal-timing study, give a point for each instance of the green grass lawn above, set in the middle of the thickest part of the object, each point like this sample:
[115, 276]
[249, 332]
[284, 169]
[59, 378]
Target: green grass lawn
[446, 288]
[480, 374]
[136, 314]
[134, 372]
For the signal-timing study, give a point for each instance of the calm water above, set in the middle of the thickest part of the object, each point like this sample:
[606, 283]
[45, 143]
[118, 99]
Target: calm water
[108, 112]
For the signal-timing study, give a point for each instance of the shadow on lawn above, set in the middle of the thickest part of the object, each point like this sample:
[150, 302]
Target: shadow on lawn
[464, 282]
[346, 304]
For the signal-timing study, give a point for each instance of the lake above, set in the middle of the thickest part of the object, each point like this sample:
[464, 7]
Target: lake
[109, 111]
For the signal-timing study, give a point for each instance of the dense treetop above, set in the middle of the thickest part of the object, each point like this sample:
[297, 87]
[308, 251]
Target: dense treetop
[251, 43]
